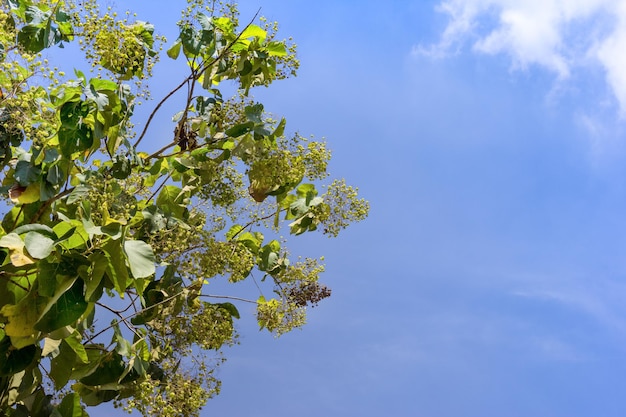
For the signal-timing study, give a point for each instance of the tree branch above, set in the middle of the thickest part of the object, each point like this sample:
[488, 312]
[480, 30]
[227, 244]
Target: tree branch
[193, 76]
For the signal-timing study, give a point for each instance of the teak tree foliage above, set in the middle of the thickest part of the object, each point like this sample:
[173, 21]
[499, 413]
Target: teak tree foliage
[107, 246]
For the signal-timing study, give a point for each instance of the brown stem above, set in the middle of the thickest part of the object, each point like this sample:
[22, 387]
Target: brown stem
[252, 222]
[130, 316]
[48, 203]
[160, 186]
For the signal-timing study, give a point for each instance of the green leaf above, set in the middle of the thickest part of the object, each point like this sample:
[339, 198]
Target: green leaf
[140, 258]
[253, 31]
[99, 265]
[101, 99]
[122, 168]
[302, 224]
[171, 201]
[113, 229]
[190, 39]
[66, 234]
[154, 219]
[25, 173]
[174, 50]
[110, 369]
[74, 341]
[275, 48]
[73, 234]
[269, 257]
[233, 231]
[71, 406]
[32, 38]
[232, 310]
[46, 278]
[306, 190]
[78, 194]
[74, 135]
[254, 113]
[240, 129]
[116, 266]
[280, 129]
[252, 241]
[38, 245]
[67, 305]
[14, 360]
[21, 319]
[93, 396]
[55, 175]
[61, 366]
[39, 228]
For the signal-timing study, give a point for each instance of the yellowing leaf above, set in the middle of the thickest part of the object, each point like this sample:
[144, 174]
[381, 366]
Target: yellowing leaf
[30, 195]
[21, 317]
[18, 258]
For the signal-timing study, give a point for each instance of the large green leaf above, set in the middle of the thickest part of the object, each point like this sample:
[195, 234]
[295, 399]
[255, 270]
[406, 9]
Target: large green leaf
[38, 245]
[14, 360]
[269, 257]
[61, 366]
[64, 308]
[275, 48]
[116, 266]
[32, 38]
[253, 31]
[93, 396]
[99, 265]
[26, 173]
[39, 228]
[240, 129]
[71, 406]
[74, 135]
[230, 307]
[140, 258]
[74, 341]
[171, 201]
[21, 318]
[47, 278]
[174, 50]
[72, 234]
[110, 369]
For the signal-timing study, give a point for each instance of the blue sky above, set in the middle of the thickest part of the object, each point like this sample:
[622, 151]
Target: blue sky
[489, 280]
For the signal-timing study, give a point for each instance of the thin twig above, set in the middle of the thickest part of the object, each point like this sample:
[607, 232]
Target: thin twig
[160, 186]
[48, 203]
[122, 319]
[253, 222]
[228, 297]
[130, 316]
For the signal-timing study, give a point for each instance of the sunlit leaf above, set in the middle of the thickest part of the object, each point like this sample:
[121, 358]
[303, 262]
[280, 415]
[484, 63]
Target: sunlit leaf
[275, 48]
[140, 258]
[38, 245]
[174, 50]
[21, 317]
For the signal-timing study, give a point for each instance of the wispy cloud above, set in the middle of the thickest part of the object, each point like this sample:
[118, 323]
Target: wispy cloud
[603, 301]
[560, 36]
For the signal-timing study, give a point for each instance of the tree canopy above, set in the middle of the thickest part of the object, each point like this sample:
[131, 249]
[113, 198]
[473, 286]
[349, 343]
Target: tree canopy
[107, 245]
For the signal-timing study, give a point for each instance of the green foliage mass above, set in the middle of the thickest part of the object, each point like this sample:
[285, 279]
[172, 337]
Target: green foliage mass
[106, 246]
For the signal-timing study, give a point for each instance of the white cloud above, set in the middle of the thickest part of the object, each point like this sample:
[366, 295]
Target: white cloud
[558, 35]
[602, 300]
